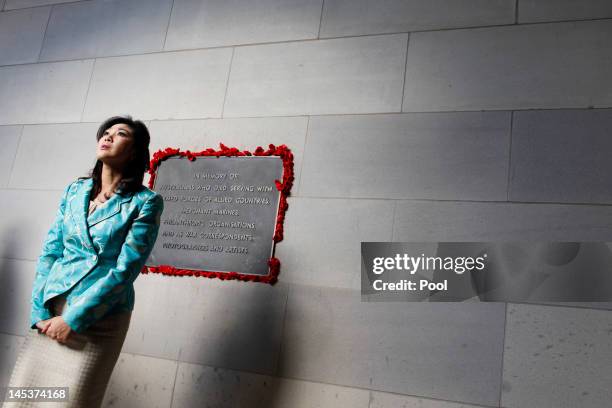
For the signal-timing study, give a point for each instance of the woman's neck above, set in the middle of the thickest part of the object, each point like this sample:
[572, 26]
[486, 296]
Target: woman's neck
[110, 178]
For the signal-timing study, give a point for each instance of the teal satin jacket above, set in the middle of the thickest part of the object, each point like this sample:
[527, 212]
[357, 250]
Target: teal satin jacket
[94, 259]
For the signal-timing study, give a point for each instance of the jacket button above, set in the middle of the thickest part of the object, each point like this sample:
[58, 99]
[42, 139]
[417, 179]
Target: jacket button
[95, 257]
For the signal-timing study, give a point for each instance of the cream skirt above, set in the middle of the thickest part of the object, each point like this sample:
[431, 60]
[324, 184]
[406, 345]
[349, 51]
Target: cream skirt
[84, 364]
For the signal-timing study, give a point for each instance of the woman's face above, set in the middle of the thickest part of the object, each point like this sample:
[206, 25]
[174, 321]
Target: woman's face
[115, 146]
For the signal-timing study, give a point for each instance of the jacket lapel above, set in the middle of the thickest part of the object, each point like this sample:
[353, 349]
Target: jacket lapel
[112, 207]
[79, 209]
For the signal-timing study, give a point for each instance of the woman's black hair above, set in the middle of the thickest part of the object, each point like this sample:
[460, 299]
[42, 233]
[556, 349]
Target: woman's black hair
[133, 175]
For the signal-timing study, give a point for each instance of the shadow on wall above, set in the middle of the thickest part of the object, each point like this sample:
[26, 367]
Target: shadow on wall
[246, 343]
[9, 303]
[10, 286]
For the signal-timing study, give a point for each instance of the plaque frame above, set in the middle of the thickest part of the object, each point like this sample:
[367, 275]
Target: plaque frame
[283, 186]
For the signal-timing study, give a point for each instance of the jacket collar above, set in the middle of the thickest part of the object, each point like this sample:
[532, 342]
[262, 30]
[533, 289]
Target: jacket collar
[112, 207]
[79, 208]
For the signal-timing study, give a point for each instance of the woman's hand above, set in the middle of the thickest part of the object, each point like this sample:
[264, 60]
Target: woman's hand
[58, 329]
[43, 325]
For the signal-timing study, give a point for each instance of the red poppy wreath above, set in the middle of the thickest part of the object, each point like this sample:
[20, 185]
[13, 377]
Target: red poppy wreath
[283, 186]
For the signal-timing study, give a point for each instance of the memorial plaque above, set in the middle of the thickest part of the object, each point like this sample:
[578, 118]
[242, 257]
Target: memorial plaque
[220, 214]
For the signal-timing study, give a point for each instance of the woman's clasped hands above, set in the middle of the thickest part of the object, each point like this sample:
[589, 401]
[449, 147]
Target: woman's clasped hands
[56, 328]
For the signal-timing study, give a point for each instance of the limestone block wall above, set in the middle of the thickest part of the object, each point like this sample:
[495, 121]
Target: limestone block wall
[409, 120]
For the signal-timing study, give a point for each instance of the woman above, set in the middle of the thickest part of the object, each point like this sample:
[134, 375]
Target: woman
[83, 293]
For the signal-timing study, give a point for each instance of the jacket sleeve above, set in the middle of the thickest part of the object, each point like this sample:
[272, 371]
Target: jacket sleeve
[53, 248]
[99, 298]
